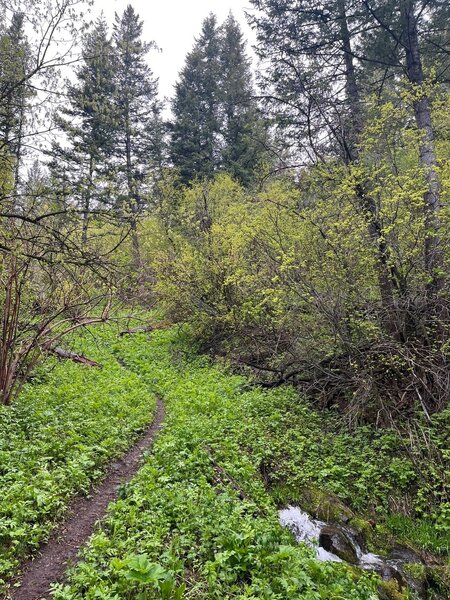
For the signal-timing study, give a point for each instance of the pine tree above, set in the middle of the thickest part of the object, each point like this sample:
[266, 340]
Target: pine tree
[195, 127]
[138, 126]
[216, 125]
[14, 61]
[242, 128]
[88, 124]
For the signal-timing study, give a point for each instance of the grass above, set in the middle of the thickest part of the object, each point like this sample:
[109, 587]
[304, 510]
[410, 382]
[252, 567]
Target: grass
[57, 437]
[422, 533]
[200, 519]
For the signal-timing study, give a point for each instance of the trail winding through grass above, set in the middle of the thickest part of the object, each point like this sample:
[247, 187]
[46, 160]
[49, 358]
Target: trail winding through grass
[84, 512]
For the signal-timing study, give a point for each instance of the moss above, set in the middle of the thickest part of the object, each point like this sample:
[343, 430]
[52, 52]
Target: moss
[362, 526]
[439, 579]
[381, 541]
[416, 571]
[325, 506]
[416, 576]
[389, 590]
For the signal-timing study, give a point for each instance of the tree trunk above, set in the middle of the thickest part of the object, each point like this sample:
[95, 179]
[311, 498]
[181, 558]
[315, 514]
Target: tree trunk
[434, 259]
[87, 202]
[133, 202]
[366, 201]
[8, 333]
[78, 358]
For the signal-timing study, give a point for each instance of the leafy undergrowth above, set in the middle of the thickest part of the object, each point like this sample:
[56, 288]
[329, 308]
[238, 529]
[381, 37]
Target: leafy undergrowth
[396, 481]
[197, 521]
[57, 436]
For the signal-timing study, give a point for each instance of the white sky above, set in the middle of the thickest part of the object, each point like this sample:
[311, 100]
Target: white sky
[173, 25]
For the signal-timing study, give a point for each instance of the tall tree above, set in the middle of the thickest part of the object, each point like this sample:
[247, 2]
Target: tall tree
[28, 65]
[195, 127]
[241, 126]
[14, 62]
[88, 124]
[216, 124]
[138, 127]
[407, 33]
[312, 81]
[314, 87]
[319, 54]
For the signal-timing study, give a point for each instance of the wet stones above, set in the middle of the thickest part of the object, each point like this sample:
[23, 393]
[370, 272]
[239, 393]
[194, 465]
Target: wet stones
[334, 540]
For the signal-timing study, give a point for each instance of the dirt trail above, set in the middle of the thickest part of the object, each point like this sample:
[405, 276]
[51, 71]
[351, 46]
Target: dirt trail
[62, 548]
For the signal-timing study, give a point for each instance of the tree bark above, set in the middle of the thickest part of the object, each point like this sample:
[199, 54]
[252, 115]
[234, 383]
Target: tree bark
[133, 199]
[87, 202]
[366, 201]
[78, 358]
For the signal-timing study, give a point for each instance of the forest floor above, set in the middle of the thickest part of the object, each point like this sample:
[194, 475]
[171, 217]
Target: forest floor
[200, 517]
[83, 513]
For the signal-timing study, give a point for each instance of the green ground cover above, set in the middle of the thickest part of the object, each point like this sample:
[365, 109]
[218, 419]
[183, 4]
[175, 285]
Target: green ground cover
[57, 437]
[200, 518]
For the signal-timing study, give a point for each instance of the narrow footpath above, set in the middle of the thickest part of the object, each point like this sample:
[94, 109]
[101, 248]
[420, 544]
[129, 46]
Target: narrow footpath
[61, 550]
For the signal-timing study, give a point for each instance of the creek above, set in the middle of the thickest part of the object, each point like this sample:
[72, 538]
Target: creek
[339, 543]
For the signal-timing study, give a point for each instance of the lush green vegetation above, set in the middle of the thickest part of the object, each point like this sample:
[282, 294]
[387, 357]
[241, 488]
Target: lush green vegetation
[200, 518]
[56, 439]
[296, 221]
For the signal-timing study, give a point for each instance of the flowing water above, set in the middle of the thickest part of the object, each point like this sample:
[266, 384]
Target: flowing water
[311, 531]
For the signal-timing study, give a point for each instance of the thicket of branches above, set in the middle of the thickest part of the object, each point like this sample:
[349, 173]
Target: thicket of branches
[334, 274]
[53, 280]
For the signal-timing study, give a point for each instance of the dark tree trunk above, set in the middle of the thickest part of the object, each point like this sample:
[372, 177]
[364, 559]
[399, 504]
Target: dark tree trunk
[366, 201]
[134, 202]
[87, 202]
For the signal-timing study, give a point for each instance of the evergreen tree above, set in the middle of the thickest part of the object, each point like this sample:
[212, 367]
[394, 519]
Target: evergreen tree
[14, 62]
[312, 81]
[138, 126]
[216, 124]
[195, 128]
[88, 123]
[242, 128]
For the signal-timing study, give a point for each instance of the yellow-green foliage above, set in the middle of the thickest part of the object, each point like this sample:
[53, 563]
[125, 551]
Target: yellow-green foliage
[295, 262]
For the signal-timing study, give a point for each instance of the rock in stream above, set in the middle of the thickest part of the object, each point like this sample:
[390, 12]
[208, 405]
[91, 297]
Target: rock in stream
[340, 543]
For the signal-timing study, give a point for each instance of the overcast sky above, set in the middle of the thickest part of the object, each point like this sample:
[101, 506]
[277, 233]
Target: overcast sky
[173, 25]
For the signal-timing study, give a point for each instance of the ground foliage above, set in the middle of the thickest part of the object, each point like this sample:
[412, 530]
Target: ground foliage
[56, 439]
[198, 521]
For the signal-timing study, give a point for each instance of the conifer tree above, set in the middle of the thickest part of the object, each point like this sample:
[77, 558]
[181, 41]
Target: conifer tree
[241, 126]
[14, 61]
[138, 127]
[194, 148]
[88, 123]
[216, 124]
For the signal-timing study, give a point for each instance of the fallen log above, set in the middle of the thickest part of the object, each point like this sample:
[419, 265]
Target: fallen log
[140, 329]
[149, 327]
[78, 358]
